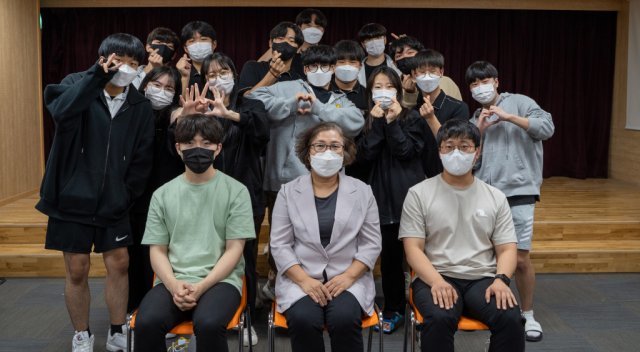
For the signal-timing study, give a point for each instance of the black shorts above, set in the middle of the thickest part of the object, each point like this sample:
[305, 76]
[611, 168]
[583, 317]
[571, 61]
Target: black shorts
[74, 237]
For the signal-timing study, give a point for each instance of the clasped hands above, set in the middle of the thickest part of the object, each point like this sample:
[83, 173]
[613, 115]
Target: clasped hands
[323, 293]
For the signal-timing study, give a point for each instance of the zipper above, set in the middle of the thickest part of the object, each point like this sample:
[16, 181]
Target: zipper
[106, 158]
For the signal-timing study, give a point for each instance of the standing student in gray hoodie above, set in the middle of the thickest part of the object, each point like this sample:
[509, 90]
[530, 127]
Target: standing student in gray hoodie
[513, 127]
[292, 108]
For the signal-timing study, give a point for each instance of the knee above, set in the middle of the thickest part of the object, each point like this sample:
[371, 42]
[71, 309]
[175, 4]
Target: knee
[117, 261]
[298, 320]
[209, 325]
[78, 269]
[524, 260]
[344, 320]
[441, 318]
[510, 321]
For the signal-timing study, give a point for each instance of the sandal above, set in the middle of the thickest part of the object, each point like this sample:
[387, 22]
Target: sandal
[532, 330]
[389, 325]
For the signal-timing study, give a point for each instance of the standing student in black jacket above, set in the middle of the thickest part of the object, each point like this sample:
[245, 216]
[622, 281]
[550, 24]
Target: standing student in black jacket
[246, 134]
[162, 87]
[392, 142]
[98, 165]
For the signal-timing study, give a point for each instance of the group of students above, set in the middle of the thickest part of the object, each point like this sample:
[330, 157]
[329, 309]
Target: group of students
[360, 150]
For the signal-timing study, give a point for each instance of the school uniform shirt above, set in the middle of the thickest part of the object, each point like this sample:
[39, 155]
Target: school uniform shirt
[356, 95]
[366, 70]
[460, 226]
[445, 108]
[114, 104]
[195, 220]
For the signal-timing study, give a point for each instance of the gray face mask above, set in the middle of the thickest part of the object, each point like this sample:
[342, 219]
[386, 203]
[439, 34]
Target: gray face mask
[125, 75]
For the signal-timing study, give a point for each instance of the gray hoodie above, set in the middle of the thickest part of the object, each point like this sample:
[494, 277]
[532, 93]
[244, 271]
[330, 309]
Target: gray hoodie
[512, 157]
[282, 165]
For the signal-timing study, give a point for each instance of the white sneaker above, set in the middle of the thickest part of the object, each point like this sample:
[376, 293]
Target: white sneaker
[118, 341]
[82, 342]
[245, 338]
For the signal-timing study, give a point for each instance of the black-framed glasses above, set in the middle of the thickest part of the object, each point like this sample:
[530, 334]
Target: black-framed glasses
[314, 67]
[465, 148]
[321, 147]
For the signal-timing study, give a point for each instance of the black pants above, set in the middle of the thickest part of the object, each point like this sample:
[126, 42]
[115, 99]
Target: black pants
[270, 200]
[158, 315]
[342, 317]
[391, 260]
[507, 330]
[140, 271]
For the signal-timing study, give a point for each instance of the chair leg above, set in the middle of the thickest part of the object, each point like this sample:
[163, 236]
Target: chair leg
[271, 332]
[413, 332]
[370, 339]
[128, 332]
[380, 333]
[248, 323]
[241, 328]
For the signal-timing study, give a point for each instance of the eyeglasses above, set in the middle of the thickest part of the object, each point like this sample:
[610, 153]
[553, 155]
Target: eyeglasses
[465, 148]
[167, 90]
[225, 74]
[314, 67]
[321, 147]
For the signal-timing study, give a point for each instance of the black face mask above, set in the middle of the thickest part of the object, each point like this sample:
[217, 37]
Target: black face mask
[164, 51]
[285, 49]
[198, 159]
[404, 65]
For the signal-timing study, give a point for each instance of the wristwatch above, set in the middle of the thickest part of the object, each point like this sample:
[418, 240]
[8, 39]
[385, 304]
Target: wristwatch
[504, 278]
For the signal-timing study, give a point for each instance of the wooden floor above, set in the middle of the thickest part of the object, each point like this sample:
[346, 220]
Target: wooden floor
[580, 226]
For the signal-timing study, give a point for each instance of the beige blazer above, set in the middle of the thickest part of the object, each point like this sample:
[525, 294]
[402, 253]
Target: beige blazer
[295, 238]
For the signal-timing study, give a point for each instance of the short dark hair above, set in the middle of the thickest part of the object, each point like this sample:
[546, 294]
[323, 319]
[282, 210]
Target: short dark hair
[319, 54]
[348, 50]
[427, 57]
[304, 17]
[401, 42]
[158, 72]
[122, 44]
[480, 70]
[458, 128]
[280, 30]
[164, 35]
[371, 30]
[193, 27]
[303, 146]
[206, 126]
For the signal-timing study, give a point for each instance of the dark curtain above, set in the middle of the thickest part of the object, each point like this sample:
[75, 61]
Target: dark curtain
[562, 59]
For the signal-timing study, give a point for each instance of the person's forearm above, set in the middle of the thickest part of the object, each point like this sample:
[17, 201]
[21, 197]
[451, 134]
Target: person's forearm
[356, 269]
[521, 122]
[161, 265]
[422, 266]
[266, 81]
[506, 259]
[297, 274]
[434, 124]
[225, 264]
[232, 115]
[185, 85]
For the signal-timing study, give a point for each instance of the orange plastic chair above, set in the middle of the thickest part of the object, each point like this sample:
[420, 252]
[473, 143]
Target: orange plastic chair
[278, 320]
[186, 327]
[416, 319]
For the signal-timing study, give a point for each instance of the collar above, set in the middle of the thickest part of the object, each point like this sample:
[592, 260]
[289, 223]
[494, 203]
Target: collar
[437, 104]
[334, 87]
[120, 97]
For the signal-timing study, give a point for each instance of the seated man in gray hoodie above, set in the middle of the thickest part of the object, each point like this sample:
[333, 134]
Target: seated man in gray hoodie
[292, 108]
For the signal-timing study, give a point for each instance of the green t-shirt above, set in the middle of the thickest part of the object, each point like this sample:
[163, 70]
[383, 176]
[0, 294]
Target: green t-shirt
[195, 220]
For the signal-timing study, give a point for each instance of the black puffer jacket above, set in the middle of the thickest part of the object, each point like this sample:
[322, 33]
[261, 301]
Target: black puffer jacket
[98, 165]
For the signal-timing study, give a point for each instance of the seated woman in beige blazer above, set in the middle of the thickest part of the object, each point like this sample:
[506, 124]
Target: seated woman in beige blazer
[325, 239]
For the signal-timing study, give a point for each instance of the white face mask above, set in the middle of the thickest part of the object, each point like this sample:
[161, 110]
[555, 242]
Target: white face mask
[384, 96]
[222, 83]
[159, 97]
[347, 73]
[484, 93]
[428, 82]
[375, 47]
[125, 75]
[457, 163]
[319, 78]
[327, 163]
[312, 35]
[198, 51]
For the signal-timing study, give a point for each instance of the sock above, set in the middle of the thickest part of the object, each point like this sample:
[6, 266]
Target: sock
[528, 314]
[116, 329]
[88, 331]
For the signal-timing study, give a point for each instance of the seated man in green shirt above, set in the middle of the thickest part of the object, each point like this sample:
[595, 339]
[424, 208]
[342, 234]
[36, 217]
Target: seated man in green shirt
[196, 227]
